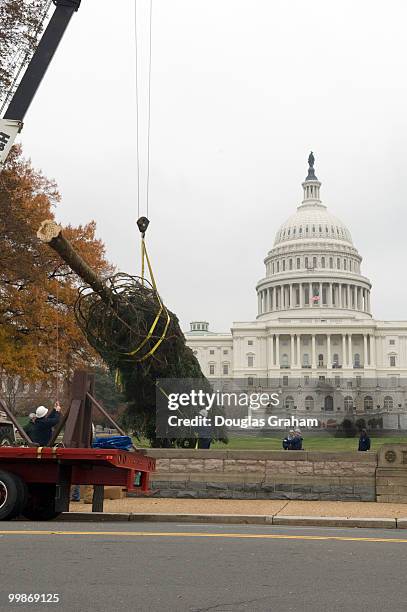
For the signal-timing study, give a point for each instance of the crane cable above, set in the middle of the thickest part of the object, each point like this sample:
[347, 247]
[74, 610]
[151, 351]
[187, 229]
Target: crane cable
[143, 222]
[57, 341]
[137, 112]
[149, 108]
[147, 201]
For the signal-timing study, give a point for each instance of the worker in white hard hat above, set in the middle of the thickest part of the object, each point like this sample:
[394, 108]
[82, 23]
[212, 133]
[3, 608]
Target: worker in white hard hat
[44, 422]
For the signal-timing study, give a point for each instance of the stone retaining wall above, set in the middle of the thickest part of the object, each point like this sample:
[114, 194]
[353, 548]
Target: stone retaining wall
[391, 474]
[227, 474]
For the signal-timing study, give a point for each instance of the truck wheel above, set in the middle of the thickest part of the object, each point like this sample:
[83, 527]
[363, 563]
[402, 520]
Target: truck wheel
[41, 502]
[9, 495]
[6, 438]
[22, 497]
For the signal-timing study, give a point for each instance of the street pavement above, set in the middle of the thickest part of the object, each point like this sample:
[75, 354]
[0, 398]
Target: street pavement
[177, 567]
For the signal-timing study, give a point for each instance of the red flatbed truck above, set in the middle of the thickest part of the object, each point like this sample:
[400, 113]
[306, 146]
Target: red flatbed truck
[35, 482]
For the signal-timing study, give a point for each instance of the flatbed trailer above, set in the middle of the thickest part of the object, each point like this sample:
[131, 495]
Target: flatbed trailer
[35, 482]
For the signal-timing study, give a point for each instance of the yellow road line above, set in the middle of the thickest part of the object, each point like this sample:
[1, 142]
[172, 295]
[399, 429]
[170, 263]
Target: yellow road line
[187, 534]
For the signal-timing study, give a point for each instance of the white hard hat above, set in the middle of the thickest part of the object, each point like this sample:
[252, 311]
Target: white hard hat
[41, 412]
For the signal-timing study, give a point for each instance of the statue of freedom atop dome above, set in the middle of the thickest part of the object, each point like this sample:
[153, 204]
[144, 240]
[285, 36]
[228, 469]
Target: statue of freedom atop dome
[311, 172]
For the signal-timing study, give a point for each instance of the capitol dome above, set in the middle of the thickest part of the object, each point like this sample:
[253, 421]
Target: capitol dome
[315, 222]
[313, 263]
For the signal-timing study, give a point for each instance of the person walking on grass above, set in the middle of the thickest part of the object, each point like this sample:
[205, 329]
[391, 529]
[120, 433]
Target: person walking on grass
[364, 441]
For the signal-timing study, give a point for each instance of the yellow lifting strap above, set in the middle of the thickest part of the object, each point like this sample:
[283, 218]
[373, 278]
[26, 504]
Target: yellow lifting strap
[145, 258]
[118, 380]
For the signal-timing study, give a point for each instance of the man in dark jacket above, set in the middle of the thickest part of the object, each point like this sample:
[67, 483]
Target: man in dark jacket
[364, 441]
[297, 441]
[44, 422]
[29, 428]
[204, 431]
[288, 441]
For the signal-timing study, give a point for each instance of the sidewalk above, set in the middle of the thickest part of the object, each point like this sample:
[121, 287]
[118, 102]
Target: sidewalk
[249, 508]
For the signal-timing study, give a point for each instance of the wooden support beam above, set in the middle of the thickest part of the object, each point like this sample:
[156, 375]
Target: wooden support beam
[108, 417]
[17, 424]
[98, 498]
[78, 427]
[58, 428]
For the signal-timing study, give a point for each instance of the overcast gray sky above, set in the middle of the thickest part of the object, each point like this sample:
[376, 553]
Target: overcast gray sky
[241, 91]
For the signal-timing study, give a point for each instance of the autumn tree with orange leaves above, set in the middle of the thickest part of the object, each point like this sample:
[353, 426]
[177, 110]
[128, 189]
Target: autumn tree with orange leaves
[39, 337]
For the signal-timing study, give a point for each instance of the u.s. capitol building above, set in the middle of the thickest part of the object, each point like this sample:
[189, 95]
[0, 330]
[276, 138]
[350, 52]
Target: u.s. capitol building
[314, 337]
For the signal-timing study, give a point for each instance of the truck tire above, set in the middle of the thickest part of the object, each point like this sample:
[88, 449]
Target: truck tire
[41, 502]
[9, 495]
[22, 497]
[6, 436]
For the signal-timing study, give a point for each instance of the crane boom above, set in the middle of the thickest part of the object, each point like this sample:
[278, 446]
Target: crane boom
[12, 122]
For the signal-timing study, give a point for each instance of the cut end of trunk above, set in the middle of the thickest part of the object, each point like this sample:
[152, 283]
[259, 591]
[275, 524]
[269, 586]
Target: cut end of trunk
[49, 230]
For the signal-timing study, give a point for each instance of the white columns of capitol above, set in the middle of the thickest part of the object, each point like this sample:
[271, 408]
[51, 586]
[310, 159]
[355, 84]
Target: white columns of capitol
[344, 360]
[347, 351]
[328, 351]
[313, 356]
[372, 350]
[337, 295]
[365, 359]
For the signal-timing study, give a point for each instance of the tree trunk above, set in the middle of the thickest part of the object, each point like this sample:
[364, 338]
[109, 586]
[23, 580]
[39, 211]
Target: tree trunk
[51, 233]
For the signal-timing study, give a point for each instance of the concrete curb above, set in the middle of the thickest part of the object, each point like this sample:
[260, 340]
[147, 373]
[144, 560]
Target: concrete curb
[336, 521]
[237, 519]
[94, 517]
[230, 519]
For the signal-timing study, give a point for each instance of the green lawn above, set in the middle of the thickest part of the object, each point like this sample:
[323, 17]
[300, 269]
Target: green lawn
[323, 443]
[310, 443]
